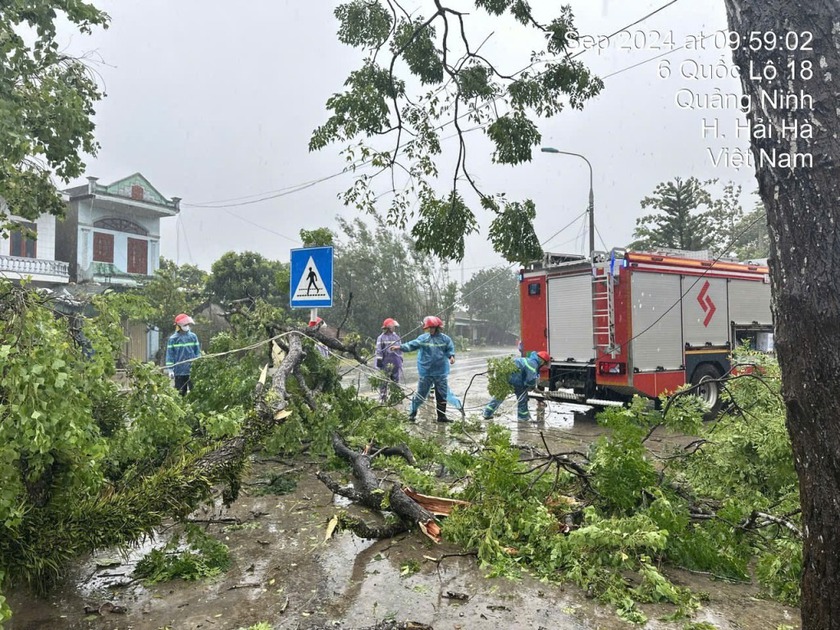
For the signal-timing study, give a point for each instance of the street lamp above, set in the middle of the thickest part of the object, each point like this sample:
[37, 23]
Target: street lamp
[591, 194]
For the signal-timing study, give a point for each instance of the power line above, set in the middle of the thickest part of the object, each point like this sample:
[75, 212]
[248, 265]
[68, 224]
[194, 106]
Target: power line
[288, 190]
[201, 204]
[262, 227]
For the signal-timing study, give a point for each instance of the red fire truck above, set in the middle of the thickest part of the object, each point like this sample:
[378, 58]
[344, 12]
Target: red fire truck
[624, 323]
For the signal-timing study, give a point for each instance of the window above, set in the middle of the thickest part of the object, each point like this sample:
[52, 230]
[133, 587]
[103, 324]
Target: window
[22, 242]
[138, 256]
[103, 247]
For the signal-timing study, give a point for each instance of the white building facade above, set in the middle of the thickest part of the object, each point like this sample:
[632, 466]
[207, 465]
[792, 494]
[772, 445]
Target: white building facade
[111, 233]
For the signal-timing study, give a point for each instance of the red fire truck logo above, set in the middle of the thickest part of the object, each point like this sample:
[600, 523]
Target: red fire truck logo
[706, 304]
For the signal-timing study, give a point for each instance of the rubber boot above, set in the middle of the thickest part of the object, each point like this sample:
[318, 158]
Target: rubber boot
[441, 409]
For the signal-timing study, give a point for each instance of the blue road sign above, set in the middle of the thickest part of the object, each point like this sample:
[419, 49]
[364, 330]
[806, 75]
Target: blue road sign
[311, 283]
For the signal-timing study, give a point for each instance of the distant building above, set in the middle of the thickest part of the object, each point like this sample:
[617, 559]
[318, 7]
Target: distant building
[480, 331]
[30, 251]
[108, 238]
[111, 234]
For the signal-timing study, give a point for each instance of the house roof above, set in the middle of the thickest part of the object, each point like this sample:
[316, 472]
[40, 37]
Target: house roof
[122, 187]
[125, 188]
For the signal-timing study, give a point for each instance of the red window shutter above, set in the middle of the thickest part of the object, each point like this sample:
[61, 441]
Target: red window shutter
[137, 192]
[138, 256]
[103, 247]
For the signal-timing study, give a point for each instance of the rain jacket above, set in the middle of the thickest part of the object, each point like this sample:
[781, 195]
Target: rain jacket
[181, 346]
[435, 351]
[528, 371]
[384, 354]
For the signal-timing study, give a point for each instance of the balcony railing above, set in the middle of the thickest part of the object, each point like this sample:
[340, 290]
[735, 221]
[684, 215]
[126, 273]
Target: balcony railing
[34, 267]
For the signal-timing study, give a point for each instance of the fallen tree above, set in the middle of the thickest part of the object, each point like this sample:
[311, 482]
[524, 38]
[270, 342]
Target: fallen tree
[612, 518]
[52, 510]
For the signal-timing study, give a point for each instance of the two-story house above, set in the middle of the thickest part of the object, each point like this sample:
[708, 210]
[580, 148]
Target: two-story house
[108, 238]
[111, 233]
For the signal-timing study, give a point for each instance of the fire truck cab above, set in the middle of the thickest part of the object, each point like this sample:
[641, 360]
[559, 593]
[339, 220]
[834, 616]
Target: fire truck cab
[626, 323]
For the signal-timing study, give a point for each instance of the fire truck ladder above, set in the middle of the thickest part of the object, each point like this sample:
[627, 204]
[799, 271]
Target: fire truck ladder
[603, 310]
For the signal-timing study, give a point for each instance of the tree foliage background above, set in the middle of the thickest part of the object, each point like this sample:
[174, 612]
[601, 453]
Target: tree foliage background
[687, 216]
[246, 277]
[387, 277]
[424, 77]
[46, 105]
[493, 295]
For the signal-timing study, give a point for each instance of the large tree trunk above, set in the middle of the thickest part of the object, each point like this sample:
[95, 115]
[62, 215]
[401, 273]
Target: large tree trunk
[803, 209]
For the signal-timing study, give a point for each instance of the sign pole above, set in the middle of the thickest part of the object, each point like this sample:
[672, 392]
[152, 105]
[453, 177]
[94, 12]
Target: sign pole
[313, 315]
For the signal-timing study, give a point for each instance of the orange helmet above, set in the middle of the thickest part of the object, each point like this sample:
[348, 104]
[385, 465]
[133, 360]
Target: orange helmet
[431, 321]
[183, 319]
[390, 322]
[546, 358]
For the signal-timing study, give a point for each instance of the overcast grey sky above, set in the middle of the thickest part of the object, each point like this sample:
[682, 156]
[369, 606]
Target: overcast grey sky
[214, 101]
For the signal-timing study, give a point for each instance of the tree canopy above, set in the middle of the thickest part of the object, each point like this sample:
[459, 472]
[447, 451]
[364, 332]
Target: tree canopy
[246, 277]
[386, 277]
[46, 105]
[689, 217]
[678, 221]
[743, 234]
[493, 295]
[424, 77]
[173, 289]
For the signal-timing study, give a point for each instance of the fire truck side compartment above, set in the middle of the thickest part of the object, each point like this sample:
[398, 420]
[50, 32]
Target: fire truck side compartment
[749, 302]
[704, 312]
[657, 327]
[570, 318]
[532, 311]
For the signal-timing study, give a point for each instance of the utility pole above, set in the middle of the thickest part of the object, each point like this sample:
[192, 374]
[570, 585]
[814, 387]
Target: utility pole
[591, 194]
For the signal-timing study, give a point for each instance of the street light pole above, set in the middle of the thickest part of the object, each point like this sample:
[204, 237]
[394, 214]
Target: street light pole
[591, 194]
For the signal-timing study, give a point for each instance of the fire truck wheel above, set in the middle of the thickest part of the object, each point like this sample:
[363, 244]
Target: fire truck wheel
[708, 389]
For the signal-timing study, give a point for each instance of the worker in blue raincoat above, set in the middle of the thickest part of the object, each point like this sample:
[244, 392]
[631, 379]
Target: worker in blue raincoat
[181, 349]
[525, 378]
[436, 354]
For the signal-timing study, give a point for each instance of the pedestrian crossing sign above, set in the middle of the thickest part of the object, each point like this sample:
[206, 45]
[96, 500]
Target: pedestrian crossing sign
[311, 277]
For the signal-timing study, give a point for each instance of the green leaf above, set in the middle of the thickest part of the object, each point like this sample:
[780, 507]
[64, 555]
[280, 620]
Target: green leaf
[414, 41]
[514, 136]
[512, 232]
[363, 23]
[442, 226]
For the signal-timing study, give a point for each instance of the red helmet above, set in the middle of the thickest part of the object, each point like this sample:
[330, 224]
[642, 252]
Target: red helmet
[390, 322]
[183, 319]
[430, 321]
[546, 358]
[315, 322]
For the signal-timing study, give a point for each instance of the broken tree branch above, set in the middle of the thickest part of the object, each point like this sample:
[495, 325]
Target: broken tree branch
[371, 493]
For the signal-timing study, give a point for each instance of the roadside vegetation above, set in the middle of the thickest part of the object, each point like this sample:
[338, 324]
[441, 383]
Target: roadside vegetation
[89, 464]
